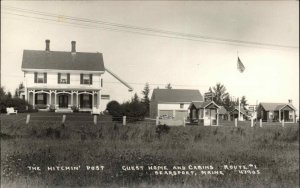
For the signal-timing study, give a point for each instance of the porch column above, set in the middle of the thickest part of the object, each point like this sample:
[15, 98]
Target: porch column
[77, 100]
[55, 98]
[210, 117]
[99, 98]
[26, 94]
[50, 97]
[93, 99]
[283, 115]
[279, 116]
[71, 98]
[33, 100]
[294, 116]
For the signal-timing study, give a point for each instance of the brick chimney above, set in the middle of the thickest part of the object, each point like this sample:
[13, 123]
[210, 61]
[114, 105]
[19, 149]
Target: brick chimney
[73, 46]
[48, 45]
[290, 101]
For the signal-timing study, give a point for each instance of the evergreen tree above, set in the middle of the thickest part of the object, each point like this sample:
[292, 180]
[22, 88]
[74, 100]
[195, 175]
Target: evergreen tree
[243, 102]
[135, 98]
[220, 93]
[9, 95]
[2, 93]
[146, 99]
[168, 86]
[228, 103]
[16, 95]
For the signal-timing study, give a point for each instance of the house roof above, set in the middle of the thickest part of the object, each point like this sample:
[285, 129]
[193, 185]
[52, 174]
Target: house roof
[275, 106]
[59, 60]
[176, 95]
[203, 104]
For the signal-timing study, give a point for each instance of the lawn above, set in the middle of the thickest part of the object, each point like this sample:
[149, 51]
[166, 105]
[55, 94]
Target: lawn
[45, 142]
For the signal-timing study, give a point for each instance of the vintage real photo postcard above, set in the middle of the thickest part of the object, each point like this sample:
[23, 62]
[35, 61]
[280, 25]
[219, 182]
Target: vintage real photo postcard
[149, 94]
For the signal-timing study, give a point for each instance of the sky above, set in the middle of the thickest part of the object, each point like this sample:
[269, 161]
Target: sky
[271, 74]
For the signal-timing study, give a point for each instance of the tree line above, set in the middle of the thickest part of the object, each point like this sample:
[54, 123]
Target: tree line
[222, 98]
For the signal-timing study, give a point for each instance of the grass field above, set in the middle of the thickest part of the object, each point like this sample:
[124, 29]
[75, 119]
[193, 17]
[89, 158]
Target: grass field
[44, 142]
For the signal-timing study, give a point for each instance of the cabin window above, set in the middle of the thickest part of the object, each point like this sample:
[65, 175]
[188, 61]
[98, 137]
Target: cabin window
[201, 113]
[206, 112]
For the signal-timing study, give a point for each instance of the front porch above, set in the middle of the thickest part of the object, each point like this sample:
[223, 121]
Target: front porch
[64, 100]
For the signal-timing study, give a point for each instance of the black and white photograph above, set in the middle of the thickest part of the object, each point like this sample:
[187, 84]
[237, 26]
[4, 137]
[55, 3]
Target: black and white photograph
[125, 94]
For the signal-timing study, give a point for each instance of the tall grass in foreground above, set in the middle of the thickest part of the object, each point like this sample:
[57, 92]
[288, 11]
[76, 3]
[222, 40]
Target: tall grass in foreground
[273, 149]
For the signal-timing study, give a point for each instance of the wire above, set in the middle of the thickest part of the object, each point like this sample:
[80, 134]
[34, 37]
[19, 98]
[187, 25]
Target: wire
[64, 17]
[112, 29]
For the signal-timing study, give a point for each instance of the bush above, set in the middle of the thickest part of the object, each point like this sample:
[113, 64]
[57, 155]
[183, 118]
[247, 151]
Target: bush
[134, 110]
[162, 129]
[17, 103]
[41, 106]
[75, 108]
[52, 108]
[115, 109]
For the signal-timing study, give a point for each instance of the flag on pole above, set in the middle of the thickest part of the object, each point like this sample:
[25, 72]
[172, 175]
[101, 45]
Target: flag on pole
[240, 65]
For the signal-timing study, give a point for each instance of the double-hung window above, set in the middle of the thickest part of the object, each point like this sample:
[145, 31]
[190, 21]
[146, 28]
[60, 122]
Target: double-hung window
[86, 79]
[63, 78]
[40, 77]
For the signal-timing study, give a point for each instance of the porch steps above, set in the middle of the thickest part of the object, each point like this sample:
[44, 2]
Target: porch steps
[85, 110]
[63, 110]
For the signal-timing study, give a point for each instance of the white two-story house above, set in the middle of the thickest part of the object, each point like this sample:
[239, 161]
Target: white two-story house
[63, 79]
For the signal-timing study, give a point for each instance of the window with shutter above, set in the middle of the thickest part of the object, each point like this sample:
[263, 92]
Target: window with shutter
[64, 78]
[41, 78]
[86, 79]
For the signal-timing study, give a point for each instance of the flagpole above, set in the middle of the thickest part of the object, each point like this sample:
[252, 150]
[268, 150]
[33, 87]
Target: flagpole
[239, 116]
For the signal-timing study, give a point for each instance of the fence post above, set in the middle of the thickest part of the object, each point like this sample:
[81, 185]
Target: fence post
[124, 120]
[260, 122]
[157, 120]
[184, 122]
[282, 123]
[95, 119]
[235, 122]
[251, 122]
[63, 120]
[27, 119]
